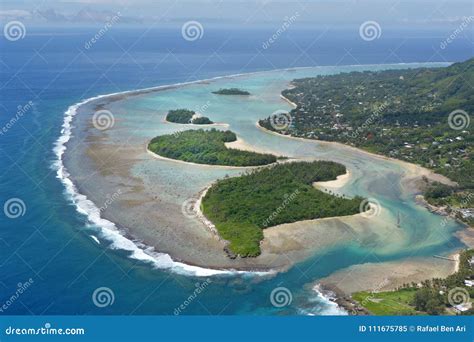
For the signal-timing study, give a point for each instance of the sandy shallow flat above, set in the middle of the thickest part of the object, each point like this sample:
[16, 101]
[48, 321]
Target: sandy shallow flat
[154, 189]
[240, 144]
[413, 174]
[338, 183]
[147, 210]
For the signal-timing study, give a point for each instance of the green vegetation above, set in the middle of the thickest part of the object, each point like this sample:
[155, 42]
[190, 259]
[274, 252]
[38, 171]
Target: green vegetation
[403, 114]
[387, 303]
[201, 120]
[436, 192]
[453, 200]
[231, 91]
[241, 207]
[429, 300]
[430, 297]
[186, 116]
[206, 147]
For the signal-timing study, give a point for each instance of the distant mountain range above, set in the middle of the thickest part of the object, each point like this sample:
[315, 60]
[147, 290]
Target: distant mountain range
[52, 16]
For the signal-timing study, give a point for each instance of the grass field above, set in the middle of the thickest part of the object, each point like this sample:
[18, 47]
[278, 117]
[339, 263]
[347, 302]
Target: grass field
[387, 303]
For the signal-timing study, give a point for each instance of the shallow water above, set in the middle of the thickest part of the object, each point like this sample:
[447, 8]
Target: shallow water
[139, 118]
[52, 243]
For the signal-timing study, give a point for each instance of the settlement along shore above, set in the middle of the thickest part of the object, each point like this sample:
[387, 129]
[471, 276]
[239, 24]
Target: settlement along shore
[154, 190]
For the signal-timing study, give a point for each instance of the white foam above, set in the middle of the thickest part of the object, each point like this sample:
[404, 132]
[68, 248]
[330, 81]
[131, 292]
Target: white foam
[108, 230]
[95, 239]
[331, 308]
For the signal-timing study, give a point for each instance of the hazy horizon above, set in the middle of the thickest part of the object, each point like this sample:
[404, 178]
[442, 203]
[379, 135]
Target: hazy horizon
[244, 12]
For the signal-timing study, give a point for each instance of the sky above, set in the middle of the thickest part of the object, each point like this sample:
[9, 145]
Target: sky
[401, 12]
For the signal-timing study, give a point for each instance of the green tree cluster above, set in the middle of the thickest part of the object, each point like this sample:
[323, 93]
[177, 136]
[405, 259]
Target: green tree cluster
[231, 91]
[241, 207]
[185, 116]
[206, 147]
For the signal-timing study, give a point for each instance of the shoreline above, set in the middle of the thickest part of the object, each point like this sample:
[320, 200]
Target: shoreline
[214, 124]
[413, 167]
[337, 183]
[343, 299]
[137, 92]
[61, 143]
[228, 167]
[378, 279]
[281, 227]
[200, 215]
[242, 145]
[287, 100]
[439, 210]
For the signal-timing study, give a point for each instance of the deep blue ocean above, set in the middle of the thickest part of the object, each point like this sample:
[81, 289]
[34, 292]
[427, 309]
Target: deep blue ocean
[51, 68]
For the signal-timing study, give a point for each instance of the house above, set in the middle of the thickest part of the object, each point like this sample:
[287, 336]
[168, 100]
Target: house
[469, 283]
